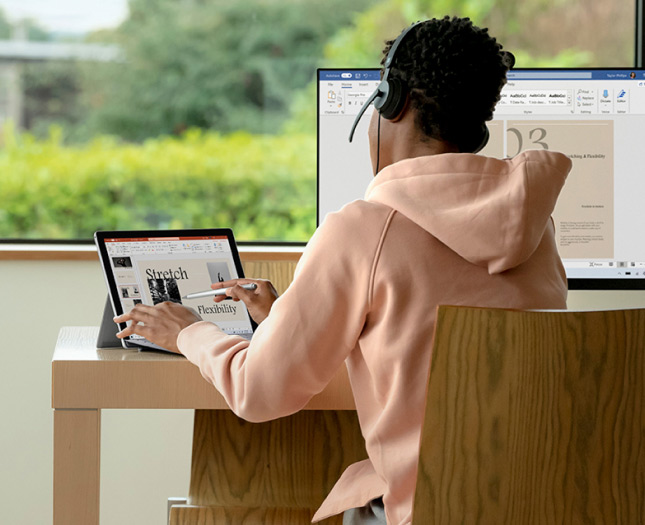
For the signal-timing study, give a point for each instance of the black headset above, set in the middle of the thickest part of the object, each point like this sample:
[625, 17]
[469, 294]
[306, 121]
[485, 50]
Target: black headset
[390, 95]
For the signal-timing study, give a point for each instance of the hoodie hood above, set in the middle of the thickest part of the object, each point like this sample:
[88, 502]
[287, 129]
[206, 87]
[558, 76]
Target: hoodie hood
[491, 212]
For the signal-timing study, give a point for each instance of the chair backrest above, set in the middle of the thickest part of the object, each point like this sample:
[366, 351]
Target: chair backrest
[534, 417]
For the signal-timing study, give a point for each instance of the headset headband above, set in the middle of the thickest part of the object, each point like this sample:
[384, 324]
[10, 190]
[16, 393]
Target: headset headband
[395, 45]
[387, 65]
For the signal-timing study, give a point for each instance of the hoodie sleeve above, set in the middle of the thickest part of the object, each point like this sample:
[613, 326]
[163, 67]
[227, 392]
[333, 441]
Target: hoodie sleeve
[312, 327]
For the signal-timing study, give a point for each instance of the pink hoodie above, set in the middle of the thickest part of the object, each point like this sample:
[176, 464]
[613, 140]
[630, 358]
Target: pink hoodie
[445, 229]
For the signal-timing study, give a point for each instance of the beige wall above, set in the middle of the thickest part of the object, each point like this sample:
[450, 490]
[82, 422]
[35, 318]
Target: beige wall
[145, 454]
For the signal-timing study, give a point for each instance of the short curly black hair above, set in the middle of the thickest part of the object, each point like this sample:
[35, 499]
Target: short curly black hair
[454, 72]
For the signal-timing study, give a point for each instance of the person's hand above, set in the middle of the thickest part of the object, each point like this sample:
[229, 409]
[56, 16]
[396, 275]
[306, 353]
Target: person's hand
[160, 324]
[258, 302]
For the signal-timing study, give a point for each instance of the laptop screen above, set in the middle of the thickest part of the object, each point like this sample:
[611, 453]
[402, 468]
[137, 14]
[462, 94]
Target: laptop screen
[151, 270]
[594, 116]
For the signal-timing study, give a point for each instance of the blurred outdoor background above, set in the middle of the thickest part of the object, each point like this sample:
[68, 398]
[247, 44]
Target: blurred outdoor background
[119, 114]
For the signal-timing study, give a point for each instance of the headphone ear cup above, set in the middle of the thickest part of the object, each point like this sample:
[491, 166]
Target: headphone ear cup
[508, 59]
[391, 102]
[475, 142]
[383, 91]
[485, 135]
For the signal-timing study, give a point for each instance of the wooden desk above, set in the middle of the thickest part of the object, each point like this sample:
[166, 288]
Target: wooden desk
[86, 379]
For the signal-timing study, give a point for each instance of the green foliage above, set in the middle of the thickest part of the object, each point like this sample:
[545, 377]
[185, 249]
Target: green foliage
[546, 45]
[214, 65]
[303, 111]
[51, 96]
[262, 186]
[566, 58]
[362, 44]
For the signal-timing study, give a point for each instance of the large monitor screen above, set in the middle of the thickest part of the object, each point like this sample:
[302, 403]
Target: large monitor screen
[594, 116]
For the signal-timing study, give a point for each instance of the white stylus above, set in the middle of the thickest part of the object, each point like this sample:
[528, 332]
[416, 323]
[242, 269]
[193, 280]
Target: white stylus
[221, 291]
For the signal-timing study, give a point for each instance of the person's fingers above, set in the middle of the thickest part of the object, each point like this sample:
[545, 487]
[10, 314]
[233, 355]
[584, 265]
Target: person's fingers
[160, 324]
[130, 330]
[257, 301]
[266, 286]
[137, 318]
[135, 329]
[230, 286]
[239, 293]
[138, 313]
[230, 283]
[230, 294]
[122, 318]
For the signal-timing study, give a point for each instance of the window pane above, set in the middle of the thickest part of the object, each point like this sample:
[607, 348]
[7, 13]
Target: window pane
[568, 33]
[196, 113]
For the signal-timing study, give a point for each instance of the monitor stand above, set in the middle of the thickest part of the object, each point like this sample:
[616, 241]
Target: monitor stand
[107, 332]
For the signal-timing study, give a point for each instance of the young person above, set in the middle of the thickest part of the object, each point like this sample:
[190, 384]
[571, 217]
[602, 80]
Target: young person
[438, 225]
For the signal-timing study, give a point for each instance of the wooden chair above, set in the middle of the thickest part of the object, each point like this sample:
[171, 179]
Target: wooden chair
[274, 473]
[534, 417]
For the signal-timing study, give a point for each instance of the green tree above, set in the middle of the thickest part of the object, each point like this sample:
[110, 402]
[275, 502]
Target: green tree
[218, 65]
[53, 96]
[563, 33]
[559, 40]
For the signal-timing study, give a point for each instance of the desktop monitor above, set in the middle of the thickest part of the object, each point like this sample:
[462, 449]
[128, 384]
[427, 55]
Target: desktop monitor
[594, 116]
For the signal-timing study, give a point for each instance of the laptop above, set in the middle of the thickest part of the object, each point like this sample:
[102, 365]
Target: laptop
[153, 266]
